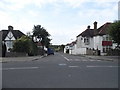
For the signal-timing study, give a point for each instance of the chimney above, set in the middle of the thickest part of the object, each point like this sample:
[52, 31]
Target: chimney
[88, 27]
[95, 25]
[95, 28]
[10, 27]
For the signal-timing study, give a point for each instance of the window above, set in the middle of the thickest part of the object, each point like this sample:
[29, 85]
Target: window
[106, 49]
[86, 41]
[106, 38]
[9, 44]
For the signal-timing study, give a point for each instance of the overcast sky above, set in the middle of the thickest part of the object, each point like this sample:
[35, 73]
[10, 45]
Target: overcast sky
[63, 19]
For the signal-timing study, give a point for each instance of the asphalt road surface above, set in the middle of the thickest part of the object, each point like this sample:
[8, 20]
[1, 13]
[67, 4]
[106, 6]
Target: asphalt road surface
[61, 71]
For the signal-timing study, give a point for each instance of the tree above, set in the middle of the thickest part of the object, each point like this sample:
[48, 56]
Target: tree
[41, 35]
[62, 47]
[114, 32]
[26, 45]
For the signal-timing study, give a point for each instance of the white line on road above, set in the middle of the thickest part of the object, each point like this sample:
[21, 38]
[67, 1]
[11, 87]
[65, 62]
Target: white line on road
[66, 58]
[62, 64]
[102, 66]
[73, 66]
[20, 68]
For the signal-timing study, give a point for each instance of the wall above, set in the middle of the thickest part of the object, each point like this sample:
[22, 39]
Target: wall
[74, 48]
[80, 51]
[78, 42]
[81, 46]
[98, 42]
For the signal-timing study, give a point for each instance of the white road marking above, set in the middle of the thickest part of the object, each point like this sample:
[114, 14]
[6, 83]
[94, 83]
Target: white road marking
[66, 58]
[98, 60]
[73, 66]
[62, 55]
[93, 60]
[78, 59]
[102, 66]
[69, 75]
[20, 68]
[62, 64]
[85, 60]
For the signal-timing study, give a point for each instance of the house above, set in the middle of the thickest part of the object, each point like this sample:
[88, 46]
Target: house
[94, 41]
[67, 48]
[8, 36]
[70, 48]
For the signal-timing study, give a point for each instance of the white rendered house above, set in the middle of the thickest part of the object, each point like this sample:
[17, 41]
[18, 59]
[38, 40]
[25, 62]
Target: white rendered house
[92, 40]
[8, 36]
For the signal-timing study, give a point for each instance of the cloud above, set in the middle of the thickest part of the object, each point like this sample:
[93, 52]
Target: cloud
[20, 4]
[64, 19]
[5, 20]
[66, 35]
[80, 3]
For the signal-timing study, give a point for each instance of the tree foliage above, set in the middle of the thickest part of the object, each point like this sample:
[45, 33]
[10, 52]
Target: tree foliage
[26, 45]
[114, 32]
[41, 35]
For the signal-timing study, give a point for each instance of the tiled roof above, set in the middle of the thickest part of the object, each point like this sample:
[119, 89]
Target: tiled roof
[100, 31]
[103, 29]
[16, 34]
[87, 33]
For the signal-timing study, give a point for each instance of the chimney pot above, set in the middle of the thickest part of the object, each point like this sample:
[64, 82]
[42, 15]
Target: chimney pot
[10, 27]
[88, 27]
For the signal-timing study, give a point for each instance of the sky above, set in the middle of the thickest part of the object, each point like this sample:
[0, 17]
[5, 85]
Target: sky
[63, 19]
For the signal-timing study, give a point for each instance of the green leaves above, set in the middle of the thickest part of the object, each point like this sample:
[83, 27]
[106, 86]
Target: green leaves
[42, 35]
[25, 44]
[114, 32]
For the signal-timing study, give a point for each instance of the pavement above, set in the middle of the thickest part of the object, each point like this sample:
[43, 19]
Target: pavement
[107, 58]
[29, 58]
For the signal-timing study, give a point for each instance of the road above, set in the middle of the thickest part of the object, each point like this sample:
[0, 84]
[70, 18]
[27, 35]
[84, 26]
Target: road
[61, 71]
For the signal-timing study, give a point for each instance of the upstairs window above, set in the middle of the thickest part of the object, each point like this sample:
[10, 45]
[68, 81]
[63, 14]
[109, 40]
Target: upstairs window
[106, 38]
[86, 41]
